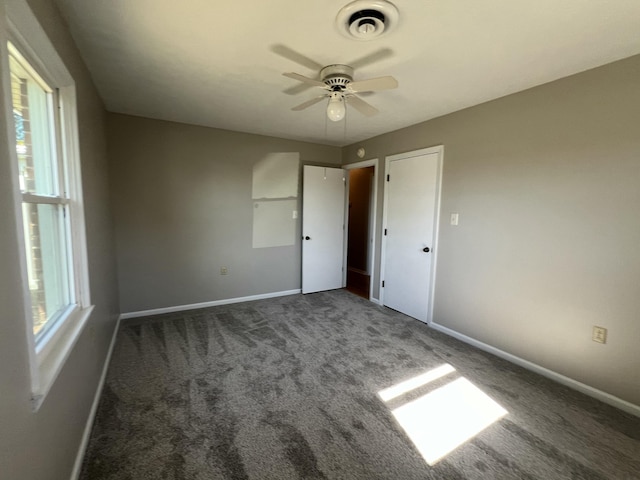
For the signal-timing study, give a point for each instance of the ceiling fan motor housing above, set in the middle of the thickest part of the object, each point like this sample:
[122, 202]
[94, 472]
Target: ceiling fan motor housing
[367, 19]
[337, 77]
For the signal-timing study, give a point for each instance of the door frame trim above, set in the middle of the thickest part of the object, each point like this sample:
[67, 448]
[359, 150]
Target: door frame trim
[373, 162]
[438, 149]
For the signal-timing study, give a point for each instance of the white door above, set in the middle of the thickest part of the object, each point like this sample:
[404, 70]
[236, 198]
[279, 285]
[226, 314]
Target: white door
[323, 191]
[411, 212]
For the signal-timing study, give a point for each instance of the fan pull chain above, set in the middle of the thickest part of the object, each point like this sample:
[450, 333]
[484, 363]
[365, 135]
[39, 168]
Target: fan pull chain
[326, 128]
[346, 115]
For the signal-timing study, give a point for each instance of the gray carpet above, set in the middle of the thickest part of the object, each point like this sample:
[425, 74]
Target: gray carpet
[288, 388]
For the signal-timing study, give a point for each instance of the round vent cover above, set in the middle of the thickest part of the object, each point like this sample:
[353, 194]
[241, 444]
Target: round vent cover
[367, 19]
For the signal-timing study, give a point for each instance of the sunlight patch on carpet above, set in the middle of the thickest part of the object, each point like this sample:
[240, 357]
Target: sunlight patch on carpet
[445, 418]
[415, 382]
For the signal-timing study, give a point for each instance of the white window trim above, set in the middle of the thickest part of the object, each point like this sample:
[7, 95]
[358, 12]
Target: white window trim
[48, 357]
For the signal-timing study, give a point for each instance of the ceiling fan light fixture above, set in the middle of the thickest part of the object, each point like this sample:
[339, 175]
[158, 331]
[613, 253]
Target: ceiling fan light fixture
[367, 19]
[336, 109]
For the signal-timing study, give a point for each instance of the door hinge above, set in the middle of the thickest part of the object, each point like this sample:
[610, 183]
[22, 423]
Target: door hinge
[382, 283]
[385, 231]
[388, 178]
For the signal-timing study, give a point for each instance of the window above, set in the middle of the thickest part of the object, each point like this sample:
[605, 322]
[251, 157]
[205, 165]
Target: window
[48, 193]
[42, 173]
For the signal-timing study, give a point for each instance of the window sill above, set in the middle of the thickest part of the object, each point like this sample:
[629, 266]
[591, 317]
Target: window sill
[53, 355]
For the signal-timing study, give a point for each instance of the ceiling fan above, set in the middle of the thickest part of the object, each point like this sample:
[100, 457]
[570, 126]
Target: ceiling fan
[337, 83]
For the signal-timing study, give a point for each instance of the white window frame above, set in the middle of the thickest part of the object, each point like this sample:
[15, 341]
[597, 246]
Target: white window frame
[49, 355]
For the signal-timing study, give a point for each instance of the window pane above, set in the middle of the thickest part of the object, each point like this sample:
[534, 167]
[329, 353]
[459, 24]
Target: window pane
[47, 270]
[32, 113]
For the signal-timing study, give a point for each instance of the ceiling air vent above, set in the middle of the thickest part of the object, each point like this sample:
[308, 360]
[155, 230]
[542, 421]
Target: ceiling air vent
[367, 19]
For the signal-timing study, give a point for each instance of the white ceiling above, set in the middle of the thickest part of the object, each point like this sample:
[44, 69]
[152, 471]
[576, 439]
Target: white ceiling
[208, 62]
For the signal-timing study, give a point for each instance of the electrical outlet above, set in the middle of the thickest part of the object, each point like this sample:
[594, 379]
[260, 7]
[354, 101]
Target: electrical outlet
[223, 271]
[599, 334]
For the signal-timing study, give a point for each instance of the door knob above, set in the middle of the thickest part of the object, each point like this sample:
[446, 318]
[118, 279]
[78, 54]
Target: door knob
[307, 237]
[426, 249]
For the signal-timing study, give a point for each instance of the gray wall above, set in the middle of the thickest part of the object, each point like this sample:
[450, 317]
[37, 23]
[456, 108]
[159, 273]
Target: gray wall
[547, 185]
[43, 445]
[183, 208]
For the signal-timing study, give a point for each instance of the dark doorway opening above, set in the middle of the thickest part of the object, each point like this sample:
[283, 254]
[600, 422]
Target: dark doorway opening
[359, 233]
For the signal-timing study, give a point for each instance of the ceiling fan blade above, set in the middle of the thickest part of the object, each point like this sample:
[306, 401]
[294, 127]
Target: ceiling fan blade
[373, 84]
[371, 58]
[361, 106]
[296, 57]
[295, 90]
[308, 103]
[302, 78]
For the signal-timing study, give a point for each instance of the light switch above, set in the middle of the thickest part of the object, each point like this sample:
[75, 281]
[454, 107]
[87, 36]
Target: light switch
[295, 214]
[454, 219]
[599, 334]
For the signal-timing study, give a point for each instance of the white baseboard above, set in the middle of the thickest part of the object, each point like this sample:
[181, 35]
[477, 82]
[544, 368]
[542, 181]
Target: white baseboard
[214, 303]
[77, 466]
[545, 372]
[375, 300]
